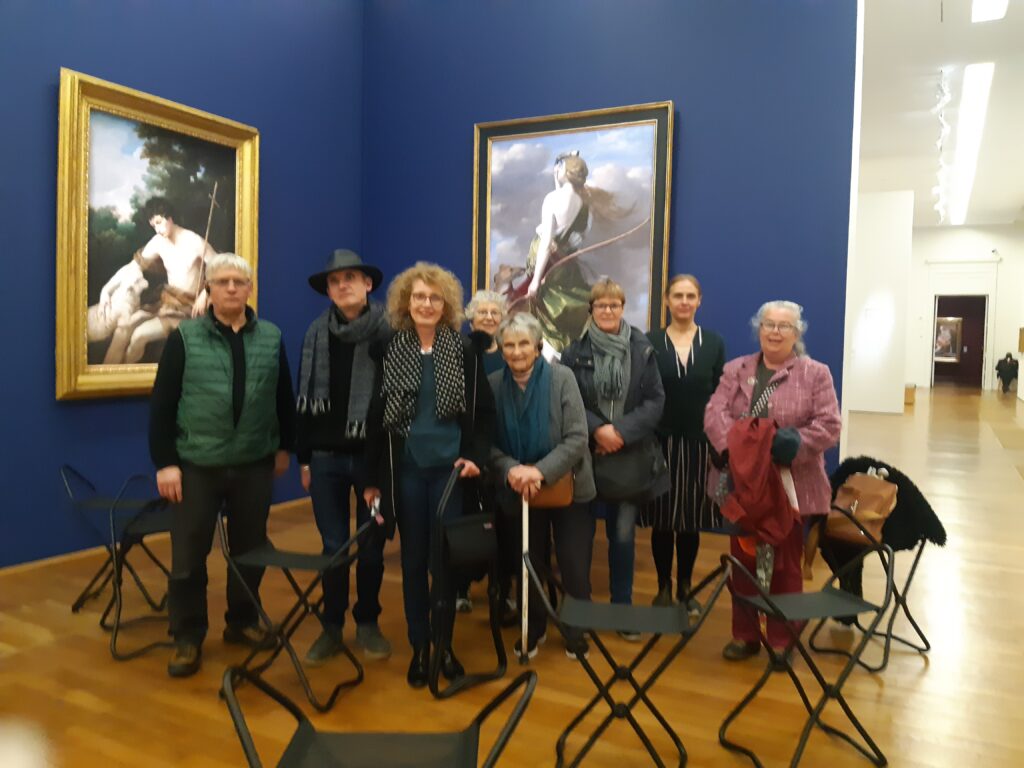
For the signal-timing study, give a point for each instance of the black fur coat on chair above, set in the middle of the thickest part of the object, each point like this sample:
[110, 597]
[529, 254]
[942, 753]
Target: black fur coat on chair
[911, 521]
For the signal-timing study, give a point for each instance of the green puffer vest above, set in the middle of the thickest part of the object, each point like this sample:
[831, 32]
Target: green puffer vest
[207, 435]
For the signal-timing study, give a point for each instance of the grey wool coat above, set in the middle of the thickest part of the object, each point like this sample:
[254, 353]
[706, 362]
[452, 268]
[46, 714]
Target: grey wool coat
[568, 432]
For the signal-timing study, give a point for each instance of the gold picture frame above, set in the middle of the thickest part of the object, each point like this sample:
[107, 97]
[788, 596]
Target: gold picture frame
[622, 170]
[119, 151]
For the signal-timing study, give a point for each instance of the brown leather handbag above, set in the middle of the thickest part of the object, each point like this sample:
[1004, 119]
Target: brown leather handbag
[870, 499]
[557, 494]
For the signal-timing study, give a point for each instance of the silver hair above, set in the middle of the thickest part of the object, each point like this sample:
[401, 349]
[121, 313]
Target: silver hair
[521, 322]
[486, 297]
[223, 261]
[798, 315]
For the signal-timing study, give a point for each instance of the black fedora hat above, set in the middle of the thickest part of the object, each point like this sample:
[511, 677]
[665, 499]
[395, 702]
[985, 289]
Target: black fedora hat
[341, 259]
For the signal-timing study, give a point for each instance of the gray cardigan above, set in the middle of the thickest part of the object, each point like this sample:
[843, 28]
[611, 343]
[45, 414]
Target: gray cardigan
[568, 432]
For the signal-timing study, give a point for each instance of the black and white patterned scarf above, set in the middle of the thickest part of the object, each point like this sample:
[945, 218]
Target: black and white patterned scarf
[314, 395]
[403, 371]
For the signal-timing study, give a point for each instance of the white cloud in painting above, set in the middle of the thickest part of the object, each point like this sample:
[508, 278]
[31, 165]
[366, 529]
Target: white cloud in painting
[116, 166]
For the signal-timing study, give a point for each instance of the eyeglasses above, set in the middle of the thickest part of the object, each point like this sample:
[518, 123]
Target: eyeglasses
[489, 312]
[224, 282]
[771, 327]
[612, 306]
[428, 298]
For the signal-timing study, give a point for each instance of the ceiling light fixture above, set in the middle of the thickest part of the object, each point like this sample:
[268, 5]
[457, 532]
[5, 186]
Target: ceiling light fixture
[943, 96]
[970, 125]
[988, 10]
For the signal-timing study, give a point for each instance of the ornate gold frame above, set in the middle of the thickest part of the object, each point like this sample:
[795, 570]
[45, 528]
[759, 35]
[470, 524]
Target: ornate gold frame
[79, 95]
[662, 113]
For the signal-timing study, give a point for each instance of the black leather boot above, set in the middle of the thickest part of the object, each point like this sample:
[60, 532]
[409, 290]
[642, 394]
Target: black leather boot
[450, 666]
[419, 667]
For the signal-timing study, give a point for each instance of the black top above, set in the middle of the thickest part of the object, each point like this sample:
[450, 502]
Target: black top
[326, 431]
[163, 413]
[687, 388]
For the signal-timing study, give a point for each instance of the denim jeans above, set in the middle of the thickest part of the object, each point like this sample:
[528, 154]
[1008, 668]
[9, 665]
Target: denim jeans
[620, 527]
[419, 492]
[333, 476]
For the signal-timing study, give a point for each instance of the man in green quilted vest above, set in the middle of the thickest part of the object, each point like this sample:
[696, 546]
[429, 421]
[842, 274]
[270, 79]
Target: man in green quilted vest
[221, 425]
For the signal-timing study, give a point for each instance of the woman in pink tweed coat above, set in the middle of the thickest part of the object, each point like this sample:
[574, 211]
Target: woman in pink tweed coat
[782, 383]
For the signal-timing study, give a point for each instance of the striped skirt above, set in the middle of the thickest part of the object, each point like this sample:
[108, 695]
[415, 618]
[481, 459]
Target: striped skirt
[686, 507]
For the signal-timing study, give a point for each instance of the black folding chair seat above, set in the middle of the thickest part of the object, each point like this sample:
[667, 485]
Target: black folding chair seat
[309, 748]
[613, 617]
[792, 611]
[122, 522]
[805, 606]
[576, 617]
[287, 561]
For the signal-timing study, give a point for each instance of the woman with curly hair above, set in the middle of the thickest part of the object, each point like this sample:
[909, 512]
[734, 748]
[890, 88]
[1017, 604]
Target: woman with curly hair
[432, 410]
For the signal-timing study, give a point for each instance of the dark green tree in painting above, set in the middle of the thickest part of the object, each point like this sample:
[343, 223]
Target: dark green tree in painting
[184, 169]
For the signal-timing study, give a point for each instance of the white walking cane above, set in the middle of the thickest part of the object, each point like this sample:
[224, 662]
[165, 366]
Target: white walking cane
[524, 583]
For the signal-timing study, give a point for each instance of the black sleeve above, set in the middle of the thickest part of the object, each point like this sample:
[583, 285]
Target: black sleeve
[163, 403]
[285, 402]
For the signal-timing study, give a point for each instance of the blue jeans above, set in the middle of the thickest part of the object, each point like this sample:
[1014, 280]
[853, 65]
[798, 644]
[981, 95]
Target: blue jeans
[620, 527]
[333, 476]
[419, 493]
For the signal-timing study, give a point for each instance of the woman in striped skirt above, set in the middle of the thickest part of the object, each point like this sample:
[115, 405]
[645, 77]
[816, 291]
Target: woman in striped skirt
[690, 360]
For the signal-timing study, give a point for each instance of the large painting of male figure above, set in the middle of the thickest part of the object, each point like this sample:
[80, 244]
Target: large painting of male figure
[565, 200]
[160, 203]
[147, 191]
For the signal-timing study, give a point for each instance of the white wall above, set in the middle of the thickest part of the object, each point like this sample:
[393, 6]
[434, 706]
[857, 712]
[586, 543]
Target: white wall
[877, 301]
[965, 261]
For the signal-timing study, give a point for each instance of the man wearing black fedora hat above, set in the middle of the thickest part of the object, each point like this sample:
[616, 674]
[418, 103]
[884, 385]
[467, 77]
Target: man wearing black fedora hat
[336, 378]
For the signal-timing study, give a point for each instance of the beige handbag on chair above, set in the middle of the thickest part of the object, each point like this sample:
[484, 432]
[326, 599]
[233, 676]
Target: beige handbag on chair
[870, 498]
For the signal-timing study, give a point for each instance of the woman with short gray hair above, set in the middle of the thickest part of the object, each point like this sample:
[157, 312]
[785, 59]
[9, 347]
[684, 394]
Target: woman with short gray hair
[485, 312]
[542, 437]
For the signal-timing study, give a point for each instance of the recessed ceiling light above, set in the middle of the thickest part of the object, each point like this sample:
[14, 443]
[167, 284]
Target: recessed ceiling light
[988, 10]
[969, 127]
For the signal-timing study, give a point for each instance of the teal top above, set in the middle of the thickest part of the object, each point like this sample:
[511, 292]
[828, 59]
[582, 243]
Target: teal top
[431, 442]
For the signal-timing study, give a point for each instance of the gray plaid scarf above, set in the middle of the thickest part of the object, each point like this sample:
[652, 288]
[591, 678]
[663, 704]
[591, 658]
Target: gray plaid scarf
[611, 367]
[403, 371]
[315, 369]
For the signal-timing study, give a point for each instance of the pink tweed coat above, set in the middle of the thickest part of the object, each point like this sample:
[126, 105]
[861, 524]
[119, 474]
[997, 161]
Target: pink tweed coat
[805, 400]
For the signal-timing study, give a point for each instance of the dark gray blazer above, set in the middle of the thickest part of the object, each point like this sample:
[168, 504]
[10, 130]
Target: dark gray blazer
[568, 432]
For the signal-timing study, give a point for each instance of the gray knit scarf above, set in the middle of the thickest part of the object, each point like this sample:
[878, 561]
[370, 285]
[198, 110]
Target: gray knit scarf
[314, 395]
[403, 371]
[611, 366]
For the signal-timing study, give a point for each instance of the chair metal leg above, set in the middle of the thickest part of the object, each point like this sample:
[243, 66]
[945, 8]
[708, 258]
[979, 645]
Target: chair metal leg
[829, 691]
[899, 599]
[623, 710]
[117, 601]
[103, 575]
[282, 634]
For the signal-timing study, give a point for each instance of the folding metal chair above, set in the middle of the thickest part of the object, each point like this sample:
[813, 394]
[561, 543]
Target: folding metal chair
[122, 522]
[793, 611]
[442, 614]
[574, 617]
[899, 599]
[311, 749]
[269, 556]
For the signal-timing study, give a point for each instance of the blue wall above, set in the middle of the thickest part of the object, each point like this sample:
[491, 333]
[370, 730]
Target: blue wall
[763, 91]
[366, 117]
[292, 69]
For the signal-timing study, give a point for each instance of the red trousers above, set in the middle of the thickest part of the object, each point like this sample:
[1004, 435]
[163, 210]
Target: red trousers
[787, 577]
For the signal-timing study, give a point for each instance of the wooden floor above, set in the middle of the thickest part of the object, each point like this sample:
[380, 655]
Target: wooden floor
[959, 706]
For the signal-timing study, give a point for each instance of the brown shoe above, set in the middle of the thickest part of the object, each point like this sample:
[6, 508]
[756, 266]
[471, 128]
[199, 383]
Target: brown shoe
[253, 636]
[738, 650]
[185, 661]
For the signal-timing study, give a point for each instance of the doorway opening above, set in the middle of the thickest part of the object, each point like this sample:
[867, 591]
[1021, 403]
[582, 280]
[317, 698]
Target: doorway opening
[958, 353]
